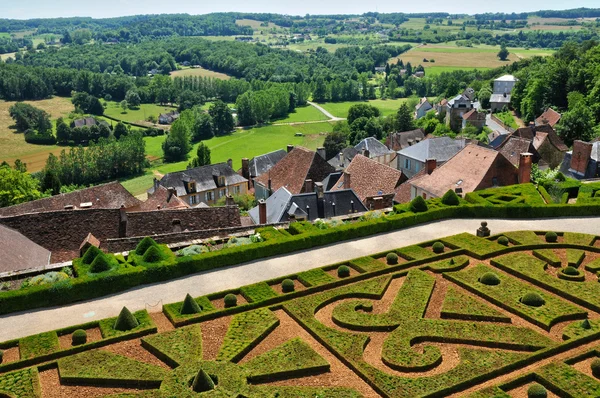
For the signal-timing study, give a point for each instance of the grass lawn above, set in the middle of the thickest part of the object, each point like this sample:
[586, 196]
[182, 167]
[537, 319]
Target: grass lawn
[436, 70]
[242, 143]
[303, 114]
[13, 145]
[507, 118]
[114, 109]
[387, 107]
[199, 72]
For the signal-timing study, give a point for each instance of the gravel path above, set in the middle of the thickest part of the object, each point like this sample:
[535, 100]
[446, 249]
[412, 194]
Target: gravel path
[326, 113]
[153, 296]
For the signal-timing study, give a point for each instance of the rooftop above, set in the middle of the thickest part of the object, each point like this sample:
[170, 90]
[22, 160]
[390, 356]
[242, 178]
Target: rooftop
[506, 78]
[550, 117]
[500, 98]
[263, 163]
[18, 252]
[438, 148]
[205, 178]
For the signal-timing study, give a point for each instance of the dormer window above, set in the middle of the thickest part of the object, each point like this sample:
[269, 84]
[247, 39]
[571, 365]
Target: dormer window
[192, 186]
[221, 181]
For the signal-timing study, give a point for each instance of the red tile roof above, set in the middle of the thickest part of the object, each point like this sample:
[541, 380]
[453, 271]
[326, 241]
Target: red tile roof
[513, 147]
[539, 134]
[161, 197]
[403, 191]
[370, 178]
[550, 116]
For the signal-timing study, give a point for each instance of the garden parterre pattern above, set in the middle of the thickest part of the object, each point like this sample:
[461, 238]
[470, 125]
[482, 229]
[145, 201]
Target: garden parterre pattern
[430, 325]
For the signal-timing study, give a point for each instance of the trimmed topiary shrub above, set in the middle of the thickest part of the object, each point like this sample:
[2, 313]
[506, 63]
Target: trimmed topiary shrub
[202, 382]
[126, 321]
[343, 271]
[490, 279]
[537, 391]
[230, 300]
[585, 324]
[287, 286]
[152, 255]
[570, 271]
[100, 264]
[189, 306]
[450, 198]
[551, 237]
[90, 254]
[503, 240]
[596, 367]
[533, 299]
[391, 258]
[144, 245]
[79, 337]
[418, 205]
[438, 247]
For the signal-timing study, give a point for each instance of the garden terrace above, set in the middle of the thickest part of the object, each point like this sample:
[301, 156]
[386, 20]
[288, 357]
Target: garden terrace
[451, 323]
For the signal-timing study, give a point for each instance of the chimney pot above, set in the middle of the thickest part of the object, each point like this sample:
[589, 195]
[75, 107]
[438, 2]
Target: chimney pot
[366, 153]
[290, 148]
[319, 189]
[230, 163]
[270, 188]
[430, 164]
[308, 186]
[262, 211]
[229, 201]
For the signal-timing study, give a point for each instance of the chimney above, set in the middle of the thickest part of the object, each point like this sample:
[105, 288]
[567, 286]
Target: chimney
[308, 186]
[246, 168]
[346, 180]
[525, 168]
[122, 222]
[269, 188]
[321, 152]
[430, 165]
[172, 192]
[230, 163]
[580, 156]
[262, 211]
[290, 148]
[378, 203]
[229, 201]
[156, 184]
[366, 153]
[319, 189]
[341, 159]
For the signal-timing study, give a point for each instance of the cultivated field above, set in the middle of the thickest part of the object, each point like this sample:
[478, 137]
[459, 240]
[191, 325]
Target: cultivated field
[13, 145]
[199, 72]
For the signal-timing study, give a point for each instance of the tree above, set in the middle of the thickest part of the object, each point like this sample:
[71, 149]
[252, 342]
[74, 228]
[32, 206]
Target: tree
[503, 53]
[50, 180]
[334, 143]
[404, 118]
[576, 124]
[188, 99]
[245, 111]
[124, 106]
[17, 187]
[120, 130]
[203, 128]
[392, 86]
[361, 110]
[177, 145]
[27, 117]
[222, 118]
[63, 132]
[320, 94]
[484, 96]
[133, 99]
[202, 156]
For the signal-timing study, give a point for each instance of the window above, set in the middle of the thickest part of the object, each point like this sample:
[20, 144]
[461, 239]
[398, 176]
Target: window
[193, 200]
[236, 190]
[221, 193]
[221, 181]
[209, 196]
[417, 166]
[424, 195]
[192, 186]
[407, 164]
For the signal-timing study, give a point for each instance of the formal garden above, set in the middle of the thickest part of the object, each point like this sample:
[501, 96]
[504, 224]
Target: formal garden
[507, 315]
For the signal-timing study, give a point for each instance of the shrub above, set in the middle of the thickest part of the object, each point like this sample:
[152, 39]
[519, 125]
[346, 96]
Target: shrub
[48, 278]
[585, 324]
[490, 279]
[570, 271]
[79, 337]
[533, 299]
[144, 245]
[391, 258]
[202, 382]
[596, 367]
[450, 198]
[537, 391]
[418, 205]
[192, 250]
[152, 255]
[343, 271]
[230, 300]
[189, 306]
[100, 264]
[438, 247]
[287, 286]
[1, 355]
[503, 240]
[126, 321]
[90, 255]
[551, 237]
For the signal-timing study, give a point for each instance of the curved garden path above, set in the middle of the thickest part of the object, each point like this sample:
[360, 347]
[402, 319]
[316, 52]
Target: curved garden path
[153, 296]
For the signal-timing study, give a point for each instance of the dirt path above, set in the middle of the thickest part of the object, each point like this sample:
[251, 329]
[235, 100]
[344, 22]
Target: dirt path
[326, 113]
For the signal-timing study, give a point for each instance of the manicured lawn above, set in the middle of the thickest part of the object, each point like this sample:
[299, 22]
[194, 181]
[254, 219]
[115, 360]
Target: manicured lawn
[303, 114]
[114, 109]
[340, 109]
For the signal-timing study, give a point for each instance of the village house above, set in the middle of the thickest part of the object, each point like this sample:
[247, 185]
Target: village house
[411, 160]
[549, 117]
[469, 93]
[504, 84]
[514, 146]
[369, 147]
[168, 118]
[582, 163]
[499, 101]
[291, 172]
[455, 109]
[441, 107]
[549, 148]
[400, 140]
[258, 165]
[18, 249]
[87, 122]
[422, 108]
[205, 184]
[474, 118]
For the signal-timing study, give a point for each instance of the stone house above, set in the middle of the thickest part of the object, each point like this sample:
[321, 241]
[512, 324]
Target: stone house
[474, 118]
[455, 109]
[504, 84]
[400, 140]
[168, 118]
[550, 117]
[499, 101]
[549, 148]
[583, 161]
[369, 147]
[422, 108]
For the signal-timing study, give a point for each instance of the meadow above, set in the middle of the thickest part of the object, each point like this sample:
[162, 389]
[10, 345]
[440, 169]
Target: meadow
[113, 109]
[303, 114]
[201, 72]
[387, 107]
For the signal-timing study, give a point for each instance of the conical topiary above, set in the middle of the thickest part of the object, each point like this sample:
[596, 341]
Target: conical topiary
[126, 321]
[202, 382]
[450, 198]
[586, 324]
[90, 254]
[144, 245]
[189, 306]
[152, 255]
[100, 264]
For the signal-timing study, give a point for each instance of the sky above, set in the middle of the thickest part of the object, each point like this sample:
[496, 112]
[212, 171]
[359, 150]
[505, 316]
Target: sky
[26, 9]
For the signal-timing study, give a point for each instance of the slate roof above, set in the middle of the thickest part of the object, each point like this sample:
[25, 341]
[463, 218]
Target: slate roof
[439, 148]
[263, 163]
[422, 103]
[86, 121]
[105, 196]
[500, 98]
[496, 138]
[18, 252]
[161, 197]
[550, 116]
[404, 139]
[206, 178]
[506, 78]
[331, 179]
[513, 147]
[341, 162]
[467, 170]
[375, 147]
[296, 167]
[370, 178]
[282, 204]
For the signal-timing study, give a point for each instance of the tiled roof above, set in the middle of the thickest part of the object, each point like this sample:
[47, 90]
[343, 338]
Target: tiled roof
[296, 167]
[506, 78]
[263, 163]
[403, 190]
[467, 170]
[550, 116]
[341, 162]
[404, 139]
[439, 148]
[18, 252]
[161, 197]
[513, 147]
[369, 178]
[538, 134]
[106, 196]
[206, 178]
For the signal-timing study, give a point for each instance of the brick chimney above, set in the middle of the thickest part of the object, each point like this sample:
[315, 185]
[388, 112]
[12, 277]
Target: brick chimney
[378, 203]
[230, 163]
[525, 160]
[346, 180]
[319, 190]
[246, 168]
[269, 188]
[262, 211]
[580, 156]
[308, 186]
[290, 148]
[321, 152]
[430, 165]
[172, 192]
[122, 222]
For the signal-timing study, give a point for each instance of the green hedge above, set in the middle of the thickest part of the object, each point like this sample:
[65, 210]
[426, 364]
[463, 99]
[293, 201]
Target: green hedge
[38, 345]
[258, 292]
[176, 347]
[22, 383]
[146, 326]
[457, 305]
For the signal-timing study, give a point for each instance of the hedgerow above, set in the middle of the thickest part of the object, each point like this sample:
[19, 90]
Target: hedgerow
[577, 238]
[477, 246]
[595, 367]
[578, 329]
[447, 265]
[367, 264]
[415, 252]
[569, 381]
[549, 256]
[524, 237]
[575, 257]
[460, 306]
[176, 347]
[315, 277]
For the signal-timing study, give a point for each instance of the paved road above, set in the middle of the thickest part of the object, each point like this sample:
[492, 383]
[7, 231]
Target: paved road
[494, 125]
[152, 296]
[326, 113]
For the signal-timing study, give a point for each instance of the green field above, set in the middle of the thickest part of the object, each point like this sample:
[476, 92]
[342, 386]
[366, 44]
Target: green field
[436, 70]
[303, 114]
[387, 107]
[201, 72]
[114, 109]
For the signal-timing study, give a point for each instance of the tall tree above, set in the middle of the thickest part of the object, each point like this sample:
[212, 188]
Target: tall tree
[203, 128]
[334, 143]
[222, 118]
[404, 118]
[17, 187]
[177, 145]
[503, 53]
[202, 156]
